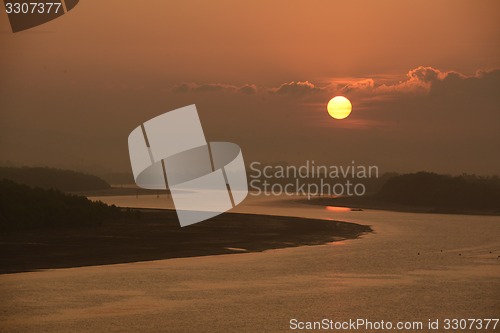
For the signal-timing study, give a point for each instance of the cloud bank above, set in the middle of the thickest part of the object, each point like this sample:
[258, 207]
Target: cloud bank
[420, 80]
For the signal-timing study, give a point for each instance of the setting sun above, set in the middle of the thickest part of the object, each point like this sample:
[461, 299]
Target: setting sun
[339, 107]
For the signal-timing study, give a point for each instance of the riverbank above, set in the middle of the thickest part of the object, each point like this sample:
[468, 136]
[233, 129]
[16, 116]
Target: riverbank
[156, 234]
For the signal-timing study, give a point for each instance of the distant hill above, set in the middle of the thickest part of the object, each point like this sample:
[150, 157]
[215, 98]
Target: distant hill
[23, 207]
[442, 191]
[48, 178]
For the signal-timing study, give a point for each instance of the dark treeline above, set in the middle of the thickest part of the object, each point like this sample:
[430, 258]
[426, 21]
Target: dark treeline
[23, 207]
[442, 191]
[48, 178]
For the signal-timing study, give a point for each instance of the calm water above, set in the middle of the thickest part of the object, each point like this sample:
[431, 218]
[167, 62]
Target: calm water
[413, 267]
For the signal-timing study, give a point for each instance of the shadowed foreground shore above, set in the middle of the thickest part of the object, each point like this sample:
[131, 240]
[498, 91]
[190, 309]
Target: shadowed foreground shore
[157, 235]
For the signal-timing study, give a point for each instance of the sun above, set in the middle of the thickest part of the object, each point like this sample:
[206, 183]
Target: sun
[339, 107]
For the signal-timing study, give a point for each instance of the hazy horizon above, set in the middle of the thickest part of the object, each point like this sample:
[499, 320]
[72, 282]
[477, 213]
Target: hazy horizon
[423, 86]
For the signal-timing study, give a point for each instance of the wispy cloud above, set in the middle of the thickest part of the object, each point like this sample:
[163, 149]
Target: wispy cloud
[248, 89]
[297, 88]
[294, 88]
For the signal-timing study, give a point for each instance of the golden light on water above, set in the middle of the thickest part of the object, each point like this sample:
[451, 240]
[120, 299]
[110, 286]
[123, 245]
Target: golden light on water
[339, 107]
[337, 209]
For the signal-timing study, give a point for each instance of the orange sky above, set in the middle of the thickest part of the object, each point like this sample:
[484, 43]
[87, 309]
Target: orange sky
[86, 79]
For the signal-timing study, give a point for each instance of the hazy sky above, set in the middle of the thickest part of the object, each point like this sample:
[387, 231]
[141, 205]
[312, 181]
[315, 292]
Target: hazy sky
[422, 77]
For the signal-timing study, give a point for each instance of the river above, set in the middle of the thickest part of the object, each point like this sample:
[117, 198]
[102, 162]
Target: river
[412, 268]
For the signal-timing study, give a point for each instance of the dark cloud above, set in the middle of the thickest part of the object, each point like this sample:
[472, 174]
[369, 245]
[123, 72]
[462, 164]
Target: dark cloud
[483, 83]
[209, 87]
